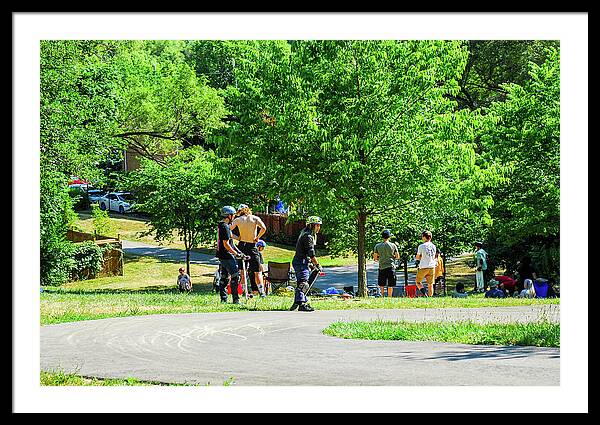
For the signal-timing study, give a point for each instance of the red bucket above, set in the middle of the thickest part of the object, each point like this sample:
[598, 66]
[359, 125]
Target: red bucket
[239, 289]
[411, 291]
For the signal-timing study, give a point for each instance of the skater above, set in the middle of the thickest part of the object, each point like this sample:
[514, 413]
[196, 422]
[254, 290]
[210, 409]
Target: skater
[247, 224]
[227, 254]
[184, 282]
[427, 262]
[305, 254]
[386, 253]
[481, 264]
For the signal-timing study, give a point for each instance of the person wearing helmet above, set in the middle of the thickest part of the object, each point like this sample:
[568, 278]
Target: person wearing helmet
[305, 254]
[227, 253]
[250, 228]
[260, 246]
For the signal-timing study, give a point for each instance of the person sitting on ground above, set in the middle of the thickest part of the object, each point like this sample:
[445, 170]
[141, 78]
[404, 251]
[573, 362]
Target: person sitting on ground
[528, 291]
[526, 270]
[494, 291]
[184, 282]
[553, 291]
[507, 283]
[459, 291]
[386, 254]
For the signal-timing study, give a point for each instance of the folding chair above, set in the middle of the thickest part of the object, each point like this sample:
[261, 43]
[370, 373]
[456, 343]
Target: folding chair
[278, 275]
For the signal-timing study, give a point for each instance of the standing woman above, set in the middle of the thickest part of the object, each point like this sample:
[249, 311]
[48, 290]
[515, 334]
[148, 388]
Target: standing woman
[305, 254]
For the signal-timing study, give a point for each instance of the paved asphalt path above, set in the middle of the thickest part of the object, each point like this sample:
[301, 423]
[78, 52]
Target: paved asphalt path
[336, 277]
[288, 348]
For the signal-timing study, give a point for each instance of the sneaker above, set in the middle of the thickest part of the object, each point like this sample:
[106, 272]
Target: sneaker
[236, 302]
[263, 295]
[294, 306]
[305, 307]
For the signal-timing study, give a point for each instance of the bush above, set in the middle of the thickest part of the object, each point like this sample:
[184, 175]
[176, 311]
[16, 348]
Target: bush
[102, 224]
[56, 261]
[80, 198]
[56, 212]
[87, 261]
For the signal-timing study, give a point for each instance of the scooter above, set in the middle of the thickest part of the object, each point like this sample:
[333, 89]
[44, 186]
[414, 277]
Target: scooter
[314, 274]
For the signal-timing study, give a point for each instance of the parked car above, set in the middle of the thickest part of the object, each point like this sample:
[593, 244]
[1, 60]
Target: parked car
[95, 195]
[116, 201]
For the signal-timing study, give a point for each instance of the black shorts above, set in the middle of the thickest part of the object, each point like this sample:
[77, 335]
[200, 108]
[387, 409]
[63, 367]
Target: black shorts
[386, 277]
[249, 248]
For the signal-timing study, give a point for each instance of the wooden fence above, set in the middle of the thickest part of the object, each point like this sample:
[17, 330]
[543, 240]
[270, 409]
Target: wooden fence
[112, 264]
[281, 232]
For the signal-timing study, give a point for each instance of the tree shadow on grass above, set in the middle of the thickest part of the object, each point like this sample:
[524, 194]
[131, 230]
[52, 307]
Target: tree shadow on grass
[198, 289]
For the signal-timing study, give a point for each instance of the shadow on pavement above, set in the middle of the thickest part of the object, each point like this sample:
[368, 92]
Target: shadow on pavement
[478, 352]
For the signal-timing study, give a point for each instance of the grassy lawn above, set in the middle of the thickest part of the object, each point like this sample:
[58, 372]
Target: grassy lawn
[148, 286]
[58, 378]
[132, 228]
[538, 334]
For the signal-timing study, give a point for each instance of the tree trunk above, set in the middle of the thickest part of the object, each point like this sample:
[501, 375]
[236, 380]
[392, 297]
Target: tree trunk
[187, 260]
[362, 255]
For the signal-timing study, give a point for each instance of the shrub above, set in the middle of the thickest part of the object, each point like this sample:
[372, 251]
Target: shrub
[56, 261]
[102, 224]
[87, 261]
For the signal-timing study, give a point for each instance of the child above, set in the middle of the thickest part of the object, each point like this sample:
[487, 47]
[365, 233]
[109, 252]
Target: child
[260, 246]
[459, 291]
[528, 291]
[494, 291]
[184, 282]
[508, 284]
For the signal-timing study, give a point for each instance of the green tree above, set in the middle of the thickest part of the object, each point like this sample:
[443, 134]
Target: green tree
[184, 196]
[356, 130]
[493, 63]
[77, 111]
[164, 106]
[524, 133]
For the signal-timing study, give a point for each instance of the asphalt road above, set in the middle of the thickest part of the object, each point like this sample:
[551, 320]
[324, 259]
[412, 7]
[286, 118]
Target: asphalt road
[336, 277]
[288, 348]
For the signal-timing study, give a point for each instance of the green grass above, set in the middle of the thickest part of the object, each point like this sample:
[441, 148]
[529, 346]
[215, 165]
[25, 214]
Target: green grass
[59, 378]
[538, 334]
[67, 379]
[148, 286]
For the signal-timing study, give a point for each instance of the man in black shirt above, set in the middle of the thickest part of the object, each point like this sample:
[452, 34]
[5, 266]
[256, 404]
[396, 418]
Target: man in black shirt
[305, 253]
[227, 253]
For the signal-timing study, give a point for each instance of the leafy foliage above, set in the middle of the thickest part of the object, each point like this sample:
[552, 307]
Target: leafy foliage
[185, 195]
[87, 262]
[360, 132]
[102, 224]
[524, 134]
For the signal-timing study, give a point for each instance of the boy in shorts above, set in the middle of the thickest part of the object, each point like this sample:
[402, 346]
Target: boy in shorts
[386, 253]
[427, 263]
